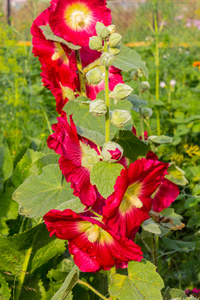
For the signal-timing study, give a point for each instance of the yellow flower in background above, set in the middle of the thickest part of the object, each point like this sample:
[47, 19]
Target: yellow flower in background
[178, 158]
[192, 150]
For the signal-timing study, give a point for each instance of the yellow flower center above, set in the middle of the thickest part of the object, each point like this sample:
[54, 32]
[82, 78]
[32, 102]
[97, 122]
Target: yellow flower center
[59, 53]
[77, 15]
[89, 156]
[130, 198]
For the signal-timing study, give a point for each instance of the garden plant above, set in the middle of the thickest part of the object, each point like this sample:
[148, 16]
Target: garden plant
[90, 215]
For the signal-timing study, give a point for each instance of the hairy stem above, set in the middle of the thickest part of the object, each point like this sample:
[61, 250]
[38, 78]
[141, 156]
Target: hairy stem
[80, 73]
[141, 123]
[107, 101]
[92, 289]
[157, 65]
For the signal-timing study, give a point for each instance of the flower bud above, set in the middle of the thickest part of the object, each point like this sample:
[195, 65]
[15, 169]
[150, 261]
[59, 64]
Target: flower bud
[112, 152]
[146, 112]
[95, 43]
[136, 74]
[107, 59]
[144, 86]
[121, 91]
[115, 39]
[94, 76]
[102, 30]
[120, 117]
[98, 108]
[111, 28]
[67, 92]
[115, 50]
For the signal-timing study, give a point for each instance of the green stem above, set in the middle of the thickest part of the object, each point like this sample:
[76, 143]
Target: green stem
[141, 123]
[92, 289]
[107, 101]
[169, 97]
[80, 73]
[24, 268]
[157, 65]
[155, 253]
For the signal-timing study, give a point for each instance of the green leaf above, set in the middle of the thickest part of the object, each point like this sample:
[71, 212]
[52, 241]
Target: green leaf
[4, 289]
[176, 175]
[162, 139]
[190, 202]
[133, 146]
[68, 285]
[49, 35]
[6, 164]
[169, 213]
[39, 194]
[179, 246]
[196, 189]
[142, 282]
[25, 167]
[104, 176]
[151, 226]
[136, 102]
[91, 135]
[174, 293]
[14, 249]
[128, 59]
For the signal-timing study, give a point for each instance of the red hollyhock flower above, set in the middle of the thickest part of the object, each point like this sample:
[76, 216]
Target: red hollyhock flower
[75, 20]
[93, 245]
[53, 54]
[131, 201]
[166, 193]
[51, 80]
[78, 155]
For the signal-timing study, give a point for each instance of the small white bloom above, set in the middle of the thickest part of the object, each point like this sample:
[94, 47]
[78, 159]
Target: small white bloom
[173, 83]
[162, 84]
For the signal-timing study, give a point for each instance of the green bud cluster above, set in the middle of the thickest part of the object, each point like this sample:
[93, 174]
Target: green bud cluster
[102, 30]
[119, 117]
[98, 108]
[94, 76]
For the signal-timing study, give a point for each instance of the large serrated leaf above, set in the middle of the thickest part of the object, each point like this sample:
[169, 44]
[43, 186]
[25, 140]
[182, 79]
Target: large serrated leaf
[49, 35]
[104, 176]
[128, 59]
[39, 194]
[142, 282]
[133, 146]
[69, 283]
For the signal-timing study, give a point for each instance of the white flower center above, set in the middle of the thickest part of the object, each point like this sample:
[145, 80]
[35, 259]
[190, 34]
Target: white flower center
[89, 156]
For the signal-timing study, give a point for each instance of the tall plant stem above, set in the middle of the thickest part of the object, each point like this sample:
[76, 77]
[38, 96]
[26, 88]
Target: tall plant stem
[157, 64]
[107, 101]
[92, 289]
[80, 73]
[24, 268]
[140, 111]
